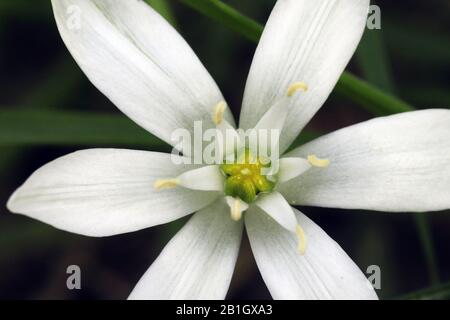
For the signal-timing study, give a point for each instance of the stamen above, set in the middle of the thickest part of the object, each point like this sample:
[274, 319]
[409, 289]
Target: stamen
[316, 162]
[245, 178]
[219, 110]
[228, 139]
[302, 240]
[237, 206]
[295, 87]
[236, 213]
[166, 184]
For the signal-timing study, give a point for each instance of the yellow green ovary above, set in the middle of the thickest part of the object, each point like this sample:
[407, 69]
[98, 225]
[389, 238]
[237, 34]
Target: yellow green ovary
[244, 178]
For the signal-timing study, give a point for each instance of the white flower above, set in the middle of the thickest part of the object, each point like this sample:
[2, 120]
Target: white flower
[131, 54]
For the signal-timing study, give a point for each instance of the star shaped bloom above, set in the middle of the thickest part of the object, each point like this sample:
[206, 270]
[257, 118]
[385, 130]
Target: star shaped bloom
[132, 55]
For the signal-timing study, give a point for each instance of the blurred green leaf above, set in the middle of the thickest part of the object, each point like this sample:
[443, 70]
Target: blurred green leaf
[164, 9]
[422, 222]
[441, 292]
[31, 127]
[373, 60]
[350, 86]
[372, 99]
[228, 16]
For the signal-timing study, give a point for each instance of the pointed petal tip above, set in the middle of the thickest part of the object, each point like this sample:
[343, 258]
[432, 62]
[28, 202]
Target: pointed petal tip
[10, 204]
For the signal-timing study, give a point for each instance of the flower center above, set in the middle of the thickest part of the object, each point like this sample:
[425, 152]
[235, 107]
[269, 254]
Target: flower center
[245, 178]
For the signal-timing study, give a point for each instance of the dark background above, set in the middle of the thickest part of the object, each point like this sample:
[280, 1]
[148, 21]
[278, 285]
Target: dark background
[38, 75]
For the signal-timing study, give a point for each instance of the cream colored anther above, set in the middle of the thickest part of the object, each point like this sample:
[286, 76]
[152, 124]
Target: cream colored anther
[316, 162]
[219, 110]
[166, 184]
[295, 87]
[302, 240]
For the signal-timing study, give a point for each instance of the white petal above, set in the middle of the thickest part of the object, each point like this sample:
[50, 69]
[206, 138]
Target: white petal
[139, 62]
[198, 262]
[208, 178]
[275, 117]
[103, 192]
[276, 206]
[324, 272]
[291, 168]
[306, 41]
[396, 163]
